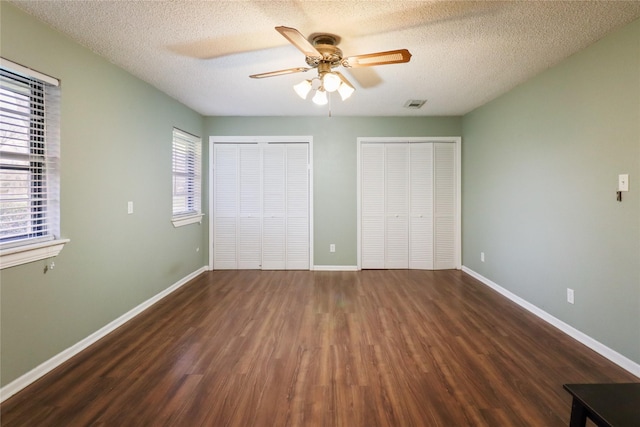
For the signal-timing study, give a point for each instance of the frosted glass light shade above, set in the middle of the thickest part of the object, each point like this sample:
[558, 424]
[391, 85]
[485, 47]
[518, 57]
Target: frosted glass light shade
[345, 90]
[331, 82]
[320, 98]
[303, 88]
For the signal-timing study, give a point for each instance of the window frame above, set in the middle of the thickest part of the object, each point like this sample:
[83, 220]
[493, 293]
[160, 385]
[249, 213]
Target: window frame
[186, 167]
[41, 238]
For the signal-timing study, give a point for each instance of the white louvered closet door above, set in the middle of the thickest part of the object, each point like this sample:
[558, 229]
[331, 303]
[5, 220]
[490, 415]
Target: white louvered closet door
[273, 207]
[396, 206]
[372, 187]
[249, 213]
[408, 205]
[445, 206]
[297, 204]
[225, 207]
[261, 206]
[421, 206]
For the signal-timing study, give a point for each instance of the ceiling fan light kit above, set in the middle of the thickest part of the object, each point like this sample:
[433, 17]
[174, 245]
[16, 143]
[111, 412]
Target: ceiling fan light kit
[321, 52]
[327, 81]
[346, 89]
[331, 82]
[303, 88]
[320, 98]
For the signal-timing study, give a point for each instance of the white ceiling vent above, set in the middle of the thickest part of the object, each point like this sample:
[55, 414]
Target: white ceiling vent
[415, 103]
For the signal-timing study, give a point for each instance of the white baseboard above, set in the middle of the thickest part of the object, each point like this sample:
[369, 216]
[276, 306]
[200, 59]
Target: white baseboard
[585, 339]
[39, 371]
[335, 268]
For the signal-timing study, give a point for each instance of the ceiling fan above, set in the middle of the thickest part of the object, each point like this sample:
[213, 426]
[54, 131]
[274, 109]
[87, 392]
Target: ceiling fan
[321, 51]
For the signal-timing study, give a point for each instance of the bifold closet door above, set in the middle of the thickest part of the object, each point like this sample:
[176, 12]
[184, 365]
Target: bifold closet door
[396, 228]
[273, 207]
[261, 206]
[408, 205]
[421, 206]
[237, 217]
[297, 207]
[225, 241]
[372, 221]
[445, 206]
[249, 216]
[285, 238]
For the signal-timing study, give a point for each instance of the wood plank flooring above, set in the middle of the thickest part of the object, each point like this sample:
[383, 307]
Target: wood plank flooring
[370, 348]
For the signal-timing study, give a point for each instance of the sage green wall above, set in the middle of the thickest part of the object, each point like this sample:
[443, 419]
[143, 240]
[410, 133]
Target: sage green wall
[540, 170]
[540, 166]
[334, 163]
[116, 147]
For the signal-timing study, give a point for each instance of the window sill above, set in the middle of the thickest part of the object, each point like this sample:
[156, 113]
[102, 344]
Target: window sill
[29, 253]
[186, 220]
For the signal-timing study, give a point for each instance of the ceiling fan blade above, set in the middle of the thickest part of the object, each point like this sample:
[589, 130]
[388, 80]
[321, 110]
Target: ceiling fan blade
[379, 58]
[279, 72]
[299, 41]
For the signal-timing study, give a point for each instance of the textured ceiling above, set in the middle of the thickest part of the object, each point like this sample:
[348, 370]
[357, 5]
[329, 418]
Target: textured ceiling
[465, 53]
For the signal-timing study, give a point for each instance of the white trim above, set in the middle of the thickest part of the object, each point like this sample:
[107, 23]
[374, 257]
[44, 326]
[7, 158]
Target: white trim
[179, 221]
[311, 225]
[457, 140]
[358, 204]
[29, 253]
[458, 229]
[210, 196]
[335, 268]
[41, 370]
[308, 139]
[26, 71]
[253, 139]
[574, 333]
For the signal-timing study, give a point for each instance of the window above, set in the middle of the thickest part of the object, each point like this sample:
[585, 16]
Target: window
[29, 162]
[186, 178]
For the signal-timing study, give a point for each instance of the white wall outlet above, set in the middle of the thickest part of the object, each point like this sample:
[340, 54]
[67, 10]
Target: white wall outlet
[129, 208]
[332, 247]
[482, 256]
[570, 299]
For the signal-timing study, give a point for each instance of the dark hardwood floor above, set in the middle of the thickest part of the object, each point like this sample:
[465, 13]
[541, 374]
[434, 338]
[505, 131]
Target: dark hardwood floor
[370, 348]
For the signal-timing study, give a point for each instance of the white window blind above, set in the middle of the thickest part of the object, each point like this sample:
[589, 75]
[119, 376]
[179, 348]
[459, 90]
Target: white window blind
[186, 174]
[29, 156]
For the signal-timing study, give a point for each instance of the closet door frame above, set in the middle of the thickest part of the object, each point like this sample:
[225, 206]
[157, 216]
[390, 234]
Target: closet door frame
[458, 160]
[308, 139]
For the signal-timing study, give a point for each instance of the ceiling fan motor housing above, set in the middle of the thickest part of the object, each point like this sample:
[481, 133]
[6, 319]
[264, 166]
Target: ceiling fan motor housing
[326, 44]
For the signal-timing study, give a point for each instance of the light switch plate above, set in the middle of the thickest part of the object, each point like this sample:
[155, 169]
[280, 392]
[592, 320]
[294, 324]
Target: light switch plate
[570, 296]
[623, 182]
[129, 207]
